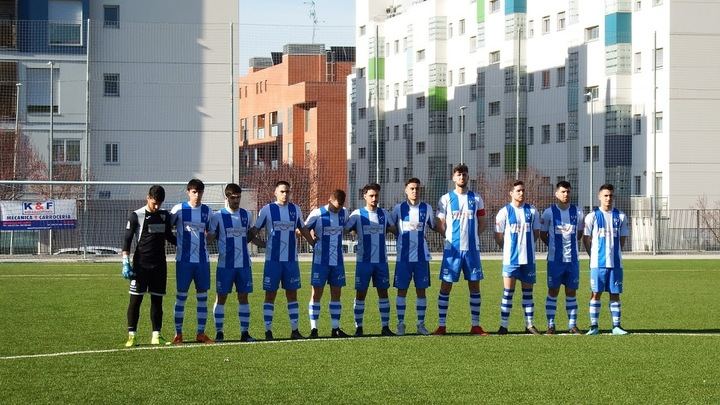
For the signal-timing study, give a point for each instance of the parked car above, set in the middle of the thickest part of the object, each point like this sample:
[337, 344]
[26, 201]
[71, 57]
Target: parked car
[91, 250]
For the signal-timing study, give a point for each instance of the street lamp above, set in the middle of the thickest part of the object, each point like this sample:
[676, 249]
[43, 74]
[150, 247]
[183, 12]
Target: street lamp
[462, 132]
[589, 99]
[52, 124]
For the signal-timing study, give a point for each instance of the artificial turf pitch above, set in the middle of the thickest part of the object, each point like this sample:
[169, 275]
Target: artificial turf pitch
[72, 316]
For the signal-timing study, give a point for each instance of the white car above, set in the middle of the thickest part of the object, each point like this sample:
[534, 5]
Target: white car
[91, 250]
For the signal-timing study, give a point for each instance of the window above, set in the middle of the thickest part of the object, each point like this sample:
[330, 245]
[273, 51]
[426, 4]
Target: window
[362, 30]
[657, 2]
[494, 5]
[638, 184]
[495, 57]
[494, 108]
[307, 149]
[111, 153]
[450, 30]
[531, 135]
[361, 153]
[361, 72]
[396, 175]
[659, 58]
[66, 150]
[531, 81]
[396, 46]
[473, 92]
[595, 153]
[531, 28]
[420, 102]
[462, 27]
[461, 76]
[473, 141]
[111, 16]
[561, 76]
[449, 78]
[111, 84]
[637, 62]
[450, 125]
[494, 159]
[592, 33]
[561, 21]
[307, 120]
[546, 24]
[545, 79]
[561, 135]
[473, 43]
[65, 22]
[420, 148]
[420, 55]
[638, 5]
[594, 92]
[546, 134]
[387, 49]
[659, 121]
[637, 124]
[362, 112]
[38, 90]
[290, 153]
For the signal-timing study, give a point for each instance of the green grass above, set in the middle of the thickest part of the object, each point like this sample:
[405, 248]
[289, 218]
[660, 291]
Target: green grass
[52, 308]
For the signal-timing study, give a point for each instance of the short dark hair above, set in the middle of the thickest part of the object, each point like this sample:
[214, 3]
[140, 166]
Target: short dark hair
[607, 186]
[157, 193]
[282, 183]
[412, 180]
[563, 184]
[371, 186]
[339, 196]
[196, 184]
[231, 189]
[517, 183]
[460, 168]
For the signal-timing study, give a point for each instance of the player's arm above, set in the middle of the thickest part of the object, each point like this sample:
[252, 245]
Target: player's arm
[254, 237]
[587, 233]
[536, 224]
[482, 223]
[624, 232]
[500, 228]
[212, 229]
[169, 235]
[130, 229]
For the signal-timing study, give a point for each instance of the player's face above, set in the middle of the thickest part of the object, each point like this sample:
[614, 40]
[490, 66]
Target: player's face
[371, 199]
[563, 195]
[233, 201]
[334, 205]
[152, 205]
[282, 193]
[518, 194]
[606, 199]
[194, 197]
[412, 191]
[460, 179]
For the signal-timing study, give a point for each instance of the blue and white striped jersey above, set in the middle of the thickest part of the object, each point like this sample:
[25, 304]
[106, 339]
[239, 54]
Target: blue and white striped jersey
[370, 227]
[231, 228]
[461, 212]
[328, 227]
[562, 227]
[606, 228]
[517, 225]
[280, 223]
[191, 224]
[411, 222]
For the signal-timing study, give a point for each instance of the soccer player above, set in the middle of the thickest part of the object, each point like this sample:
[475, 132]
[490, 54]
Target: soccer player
[281, 219]
[410, 219]
[517, 226]
[461, 217]
[191, 220]
[149, 227]
[232, 227]
[559, 227]
[370, 223]
[326, 227]
[606, 231]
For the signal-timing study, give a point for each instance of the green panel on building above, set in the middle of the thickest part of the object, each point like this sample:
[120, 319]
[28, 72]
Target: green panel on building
[509, 165]
[380, 67]
[480, 10]
[437, 98]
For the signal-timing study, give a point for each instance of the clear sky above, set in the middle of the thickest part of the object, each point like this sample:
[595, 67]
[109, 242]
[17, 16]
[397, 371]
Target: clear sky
[267, 25]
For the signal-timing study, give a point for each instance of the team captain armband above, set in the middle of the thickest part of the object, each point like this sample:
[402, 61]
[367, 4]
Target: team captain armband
[480, 213]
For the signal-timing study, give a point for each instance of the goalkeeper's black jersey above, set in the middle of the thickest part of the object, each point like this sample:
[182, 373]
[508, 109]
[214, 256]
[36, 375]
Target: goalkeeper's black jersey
[151, 232]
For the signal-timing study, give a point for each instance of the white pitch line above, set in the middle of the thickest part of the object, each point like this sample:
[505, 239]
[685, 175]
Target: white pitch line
[305, 341]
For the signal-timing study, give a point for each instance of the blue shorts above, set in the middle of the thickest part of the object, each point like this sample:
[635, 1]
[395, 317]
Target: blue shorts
[185, 273]
[567, 273]
[377, 271]
[406, 271]
[454, 261]
[240, 276]
[522, 272]
[608, 279]
[322, 274]
[287, 272]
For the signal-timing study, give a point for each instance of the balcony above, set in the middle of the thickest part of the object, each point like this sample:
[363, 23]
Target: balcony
[276, 130]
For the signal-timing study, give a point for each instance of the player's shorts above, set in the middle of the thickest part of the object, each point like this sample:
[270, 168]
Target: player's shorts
[522, 272]
[192, 272]
[286, 272]
[454, 261]
[378, 272]
[322, 274]
[567, 273]
[241, 277]
[406, 271]
[608, 279]
[149, 279]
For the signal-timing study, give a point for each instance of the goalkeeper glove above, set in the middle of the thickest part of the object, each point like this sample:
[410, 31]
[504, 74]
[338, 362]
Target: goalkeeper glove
[127, 271]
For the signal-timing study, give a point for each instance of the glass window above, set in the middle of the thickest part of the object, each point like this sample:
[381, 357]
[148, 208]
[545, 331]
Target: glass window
[111, 16]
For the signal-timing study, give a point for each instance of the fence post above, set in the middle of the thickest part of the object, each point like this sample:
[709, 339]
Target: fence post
[697, 229]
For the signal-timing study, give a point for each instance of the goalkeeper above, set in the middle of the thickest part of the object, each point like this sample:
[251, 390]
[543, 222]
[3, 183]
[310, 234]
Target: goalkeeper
[149, 227]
